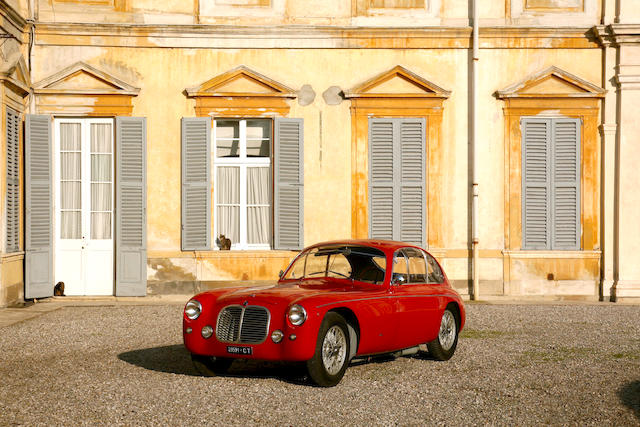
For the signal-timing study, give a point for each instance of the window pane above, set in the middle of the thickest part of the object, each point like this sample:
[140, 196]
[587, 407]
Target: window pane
[316, 264]
[228, 222]
[100, 137]
[258, 186]
[228, 186]
[101, 167]
[100, 197]
[400, 267]
[70, 136]
[339, 266]
[258, 138]
[100, 225]
[70, 195]
[434, 273]
[70, 225]
[70, 166]
[417, 269]
[227, 138]
[297, 270]
[258, 225]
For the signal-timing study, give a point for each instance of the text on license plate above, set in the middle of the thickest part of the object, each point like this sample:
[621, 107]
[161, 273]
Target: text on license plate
[234, 349]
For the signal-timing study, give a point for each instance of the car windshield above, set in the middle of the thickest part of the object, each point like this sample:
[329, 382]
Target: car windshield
[360, 263]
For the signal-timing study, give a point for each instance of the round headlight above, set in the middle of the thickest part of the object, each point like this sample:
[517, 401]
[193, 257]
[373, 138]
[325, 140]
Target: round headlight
[277, 336]
[297, 315]
[207, 331]
[193, 309]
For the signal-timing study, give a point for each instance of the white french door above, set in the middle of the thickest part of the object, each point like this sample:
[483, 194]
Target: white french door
[84, 205]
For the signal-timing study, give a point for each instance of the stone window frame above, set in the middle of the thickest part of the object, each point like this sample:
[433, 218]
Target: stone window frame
[584, 104]
[367, 103]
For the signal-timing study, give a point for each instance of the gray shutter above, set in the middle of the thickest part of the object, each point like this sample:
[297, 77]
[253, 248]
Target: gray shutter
[289, 184]
[566, 184]
[536, 185]
[196, 183]
[13, 181]
[131, 207]
[397, 174]
[381, 178]
[412, 181]
[38, 228]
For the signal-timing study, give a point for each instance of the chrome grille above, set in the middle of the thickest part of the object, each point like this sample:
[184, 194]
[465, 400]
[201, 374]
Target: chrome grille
[243, 325]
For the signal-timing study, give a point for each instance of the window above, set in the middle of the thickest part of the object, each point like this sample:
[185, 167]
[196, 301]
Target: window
[434, 273]
[397, 201]
[551, 183]
[242, 182]
[360, 263]
[13, 181]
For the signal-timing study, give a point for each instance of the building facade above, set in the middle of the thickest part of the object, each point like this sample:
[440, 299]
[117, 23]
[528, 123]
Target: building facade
[140, 141]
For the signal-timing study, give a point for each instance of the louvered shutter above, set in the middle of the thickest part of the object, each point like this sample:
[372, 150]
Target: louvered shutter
[381, 178]
[536, 186]
[196, 183]
[566, 184]
[412, 181]
[397, 163]
[38, 224]
[131, 208]
[13, 181]
[289, 184]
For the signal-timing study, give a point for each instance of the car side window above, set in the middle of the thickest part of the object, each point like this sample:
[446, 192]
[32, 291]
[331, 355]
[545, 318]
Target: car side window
[434, 272]
[417, 266]
[400, 268]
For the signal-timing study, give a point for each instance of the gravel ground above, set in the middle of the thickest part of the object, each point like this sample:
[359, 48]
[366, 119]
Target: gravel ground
[515, 365]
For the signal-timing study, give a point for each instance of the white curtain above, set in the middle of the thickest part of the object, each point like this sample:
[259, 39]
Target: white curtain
[70, 181]
[258, 194]
[101, 180]
[228, 195]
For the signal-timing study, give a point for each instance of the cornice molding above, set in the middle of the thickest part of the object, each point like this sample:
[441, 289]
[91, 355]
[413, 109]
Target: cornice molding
[10, 17]
[308, 36]
[617, 34]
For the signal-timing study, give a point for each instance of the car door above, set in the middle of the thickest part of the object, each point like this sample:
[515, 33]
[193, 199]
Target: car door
[417, 300]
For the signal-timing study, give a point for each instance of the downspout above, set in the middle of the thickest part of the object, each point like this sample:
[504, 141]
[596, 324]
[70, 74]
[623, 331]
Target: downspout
[33, 16]
[474, 150]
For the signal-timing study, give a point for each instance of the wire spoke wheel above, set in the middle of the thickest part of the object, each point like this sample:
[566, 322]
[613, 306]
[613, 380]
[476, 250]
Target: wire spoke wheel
[334, 350]
[447, 334]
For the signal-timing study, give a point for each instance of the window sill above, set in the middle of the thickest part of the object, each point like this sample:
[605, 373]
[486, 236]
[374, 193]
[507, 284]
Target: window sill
[222, 254]
[544, 253]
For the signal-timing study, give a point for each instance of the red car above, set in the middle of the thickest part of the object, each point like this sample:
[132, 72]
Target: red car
[336, 301]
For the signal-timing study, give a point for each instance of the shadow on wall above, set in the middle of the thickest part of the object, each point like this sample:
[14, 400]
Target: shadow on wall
[630, 396]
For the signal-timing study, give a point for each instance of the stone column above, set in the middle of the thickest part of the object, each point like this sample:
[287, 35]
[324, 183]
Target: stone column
[608, 159]
[627, 189]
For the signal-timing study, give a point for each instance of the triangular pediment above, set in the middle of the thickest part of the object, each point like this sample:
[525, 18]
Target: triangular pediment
[81, 78]
[241, 81]
[552, 82]
[398, 82]
[14, 71]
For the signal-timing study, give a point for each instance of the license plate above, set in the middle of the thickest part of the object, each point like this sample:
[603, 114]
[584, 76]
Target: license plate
[234, 349]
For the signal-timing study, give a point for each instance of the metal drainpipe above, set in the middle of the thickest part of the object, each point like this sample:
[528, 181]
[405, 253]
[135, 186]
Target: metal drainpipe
[474, 148]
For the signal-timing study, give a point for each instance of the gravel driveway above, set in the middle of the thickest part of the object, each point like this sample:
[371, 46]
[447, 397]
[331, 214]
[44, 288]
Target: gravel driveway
[515, 364]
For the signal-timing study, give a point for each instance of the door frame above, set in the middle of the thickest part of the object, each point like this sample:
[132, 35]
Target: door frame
[85, 123]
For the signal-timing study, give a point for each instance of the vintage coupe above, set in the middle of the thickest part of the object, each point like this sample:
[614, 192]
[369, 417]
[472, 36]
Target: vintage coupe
[336, 301]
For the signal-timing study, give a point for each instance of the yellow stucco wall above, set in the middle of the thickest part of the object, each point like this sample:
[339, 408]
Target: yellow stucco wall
[163, 75]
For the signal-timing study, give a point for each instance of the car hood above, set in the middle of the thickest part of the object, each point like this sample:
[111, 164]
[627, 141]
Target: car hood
[284, 293]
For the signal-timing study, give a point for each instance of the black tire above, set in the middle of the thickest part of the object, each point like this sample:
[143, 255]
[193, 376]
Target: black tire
[335, 349]
[443, 347]
[210, 366]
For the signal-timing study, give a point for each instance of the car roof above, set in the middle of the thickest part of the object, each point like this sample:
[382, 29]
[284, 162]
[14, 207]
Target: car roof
[385, 245]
